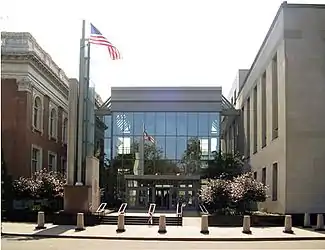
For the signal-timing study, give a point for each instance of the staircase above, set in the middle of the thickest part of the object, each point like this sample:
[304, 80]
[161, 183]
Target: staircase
[141, 220]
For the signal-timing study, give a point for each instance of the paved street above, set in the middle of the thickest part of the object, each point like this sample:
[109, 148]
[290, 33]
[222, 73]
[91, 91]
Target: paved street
[17, 243]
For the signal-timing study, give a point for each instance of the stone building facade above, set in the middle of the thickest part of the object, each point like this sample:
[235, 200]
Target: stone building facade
[281, 127]
[34, 107]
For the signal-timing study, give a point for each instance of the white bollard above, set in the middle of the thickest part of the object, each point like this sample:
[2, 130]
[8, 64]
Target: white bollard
[80, 222]
[247, 224]
[320, 223]
[288, 225]
[120, 224]
[307, 221]
[40, 221]
[205, 224]
[162, 224]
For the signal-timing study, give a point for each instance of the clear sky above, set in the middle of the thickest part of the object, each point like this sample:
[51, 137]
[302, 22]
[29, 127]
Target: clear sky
[163, 42]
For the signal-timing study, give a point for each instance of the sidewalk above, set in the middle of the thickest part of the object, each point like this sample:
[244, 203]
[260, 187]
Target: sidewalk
[185, 233]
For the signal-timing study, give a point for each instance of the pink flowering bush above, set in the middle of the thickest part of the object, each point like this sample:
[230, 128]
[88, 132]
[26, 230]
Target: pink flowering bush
[222, 195]
[43, 185]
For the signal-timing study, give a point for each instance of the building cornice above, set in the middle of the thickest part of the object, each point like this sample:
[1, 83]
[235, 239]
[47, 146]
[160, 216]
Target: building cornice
[22, 46]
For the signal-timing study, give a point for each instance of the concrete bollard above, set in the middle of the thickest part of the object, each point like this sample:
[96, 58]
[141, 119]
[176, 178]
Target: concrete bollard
[80, 222]
[120, 224]
[162, 224]
[40, 221]
[288, 225]
[307, 221]
[247, 224]
[204, 224]
[320, 223]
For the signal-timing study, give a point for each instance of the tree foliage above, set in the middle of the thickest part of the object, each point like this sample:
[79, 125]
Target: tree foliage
[43, 184]
[192, 156]
[221, 194]
[225, 166]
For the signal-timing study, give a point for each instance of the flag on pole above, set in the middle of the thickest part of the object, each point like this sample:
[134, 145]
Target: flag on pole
[96, 37]
[148, 137]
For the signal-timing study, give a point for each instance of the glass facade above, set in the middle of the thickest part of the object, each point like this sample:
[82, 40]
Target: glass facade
[184, 141]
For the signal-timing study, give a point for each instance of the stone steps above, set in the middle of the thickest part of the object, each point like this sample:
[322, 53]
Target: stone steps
[141, 220]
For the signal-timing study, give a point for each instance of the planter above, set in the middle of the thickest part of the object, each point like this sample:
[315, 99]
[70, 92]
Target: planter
[26, 216]
[65, 218]
[237, 220]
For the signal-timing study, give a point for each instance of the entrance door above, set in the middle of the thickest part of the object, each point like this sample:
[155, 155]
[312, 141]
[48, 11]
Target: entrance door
[162, 198]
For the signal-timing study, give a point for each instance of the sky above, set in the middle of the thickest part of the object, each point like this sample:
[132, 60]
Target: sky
[162, 42]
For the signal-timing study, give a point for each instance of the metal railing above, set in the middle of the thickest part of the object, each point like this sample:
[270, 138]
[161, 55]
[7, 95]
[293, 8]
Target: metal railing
[101, 208]
[152, 208]
[203, 209]
[122, 208]
[179, 209]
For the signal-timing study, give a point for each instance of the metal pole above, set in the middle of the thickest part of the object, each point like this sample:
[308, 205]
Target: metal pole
[80, 154]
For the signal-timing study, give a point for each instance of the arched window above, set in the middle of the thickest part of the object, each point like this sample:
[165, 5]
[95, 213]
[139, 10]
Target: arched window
[65, 130]
[37, 113]
[53, 122]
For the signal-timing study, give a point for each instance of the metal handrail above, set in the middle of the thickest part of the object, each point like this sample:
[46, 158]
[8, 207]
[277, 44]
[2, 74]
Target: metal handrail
[101, 208]
[203, 209]
[179, 210]
[122, 208]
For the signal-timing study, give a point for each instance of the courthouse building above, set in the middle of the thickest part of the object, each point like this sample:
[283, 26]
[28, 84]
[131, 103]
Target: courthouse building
[281, 129]
[182, 128]
[34, 104]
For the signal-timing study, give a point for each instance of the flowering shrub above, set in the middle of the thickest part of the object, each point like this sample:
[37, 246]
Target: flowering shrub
[239, 193]
[43, 185]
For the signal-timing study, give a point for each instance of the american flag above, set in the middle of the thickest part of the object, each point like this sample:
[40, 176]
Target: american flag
[97, 38]
[148, 137]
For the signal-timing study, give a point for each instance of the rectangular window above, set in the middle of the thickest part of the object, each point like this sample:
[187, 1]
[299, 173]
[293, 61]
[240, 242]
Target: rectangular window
[248, 128]
[264, 176]
[171, 123]
[63, 165]
[275, 182]
[263, 87]
[275, 101]
[36, 159]
[52, 166]
[255, 175]
[255, 120]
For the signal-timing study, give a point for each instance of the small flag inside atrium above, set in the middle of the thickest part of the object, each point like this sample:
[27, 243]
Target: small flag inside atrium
[148, 137]
[96, 37]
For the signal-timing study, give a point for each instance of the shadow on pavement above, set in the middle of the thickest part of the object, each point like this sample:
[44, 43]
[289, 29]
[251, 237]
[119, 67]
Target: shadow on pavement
[56, 230]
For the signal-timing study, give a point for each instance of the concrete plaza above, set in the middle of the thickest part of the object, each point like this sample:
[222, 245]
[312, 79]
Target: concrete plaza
[32, 243]
[188, 232]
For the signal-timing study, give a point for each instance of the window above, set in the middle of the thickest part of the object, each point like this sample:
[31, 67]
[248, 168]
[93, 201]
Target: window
[53, 123]
[63, 165]
[65, 130]
[275, 182]
[37, 113]
[52, 161]
[248, 128]
[36, 159]
[264, 176]
[255, 120]
[263, 87]
[255, 175]
[275, 98]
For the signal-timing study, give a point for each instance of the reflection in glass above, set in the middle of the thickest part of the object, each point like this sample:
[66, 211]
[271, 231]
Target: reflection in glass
[171, 148]
[214, 120]
[181, 147]
[107, 149]
[138, 123]
[192, 124]
[181, 123]
[108, 123]
[150, 122]
[170, 123]
[118, 123]
[204, 124]
[161, 145]
[128, 123]
[160, 123]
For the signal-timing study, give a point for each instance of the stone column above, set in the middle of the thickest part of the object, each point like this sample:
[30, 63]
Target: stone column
[72, 130]
[92, 180]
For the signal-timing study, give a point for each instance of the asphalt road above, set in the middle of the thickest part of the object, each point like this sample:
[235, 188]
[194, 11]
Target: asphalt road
[25, 243]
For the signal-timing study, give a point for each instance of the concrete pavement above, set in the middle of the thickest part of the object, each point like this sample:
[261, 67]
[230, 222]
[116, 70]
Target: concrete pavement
[182, 233]
[28, 243]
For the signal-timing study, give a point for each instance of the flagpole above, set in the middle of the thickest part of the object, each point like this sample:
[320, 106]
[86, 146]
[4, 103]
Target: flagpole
[80, 149]
[141, 167]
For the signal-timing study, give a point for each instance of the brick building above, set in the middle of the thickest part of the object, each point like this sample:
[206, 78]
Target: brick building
[34, 107]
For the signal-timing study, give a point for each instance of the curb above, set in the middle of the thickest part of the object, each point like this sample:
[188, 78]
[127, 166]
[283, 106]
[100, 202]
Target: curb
[162, 238]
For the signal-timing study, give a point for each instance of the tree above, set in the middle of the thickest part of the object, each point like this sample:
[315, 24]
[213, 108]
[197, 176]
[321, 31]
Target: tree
[226, 166]
[192, 155]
